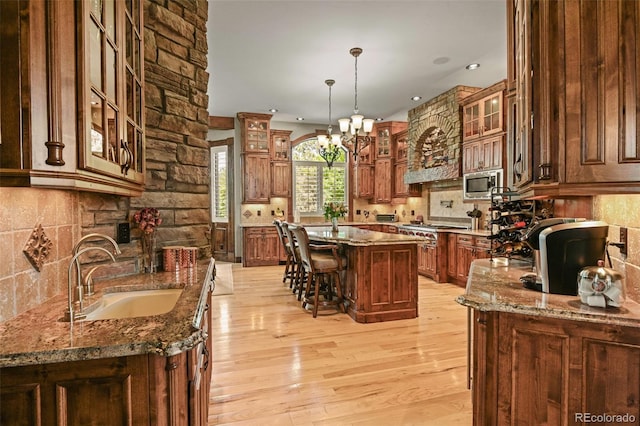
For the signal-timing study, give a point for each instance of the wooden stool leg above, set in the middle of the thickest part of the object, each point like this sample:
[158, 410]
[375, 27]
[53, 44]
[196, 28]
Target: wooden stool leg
[316, 296]
[338, 284]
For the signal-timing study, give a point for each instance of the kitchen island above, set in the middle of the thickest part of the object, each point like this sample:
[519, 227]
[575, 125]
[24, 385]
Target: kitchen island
[145, 370]
[548, 359]
[381, 280]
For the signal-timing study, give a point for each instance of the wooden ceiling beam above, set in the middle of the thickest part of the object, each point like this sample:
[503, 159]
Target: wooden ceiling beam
[221, 123]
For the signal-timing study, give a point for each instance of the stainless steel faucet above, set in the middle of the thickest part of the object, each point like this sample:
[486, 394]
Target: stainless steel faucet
[72, 313]
[88, 290]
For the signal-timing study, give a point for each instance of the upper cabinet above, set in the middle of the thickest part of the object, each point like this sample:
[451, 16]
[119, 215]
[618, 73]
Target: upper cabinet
[111, 89]
[72, 96]
[574, 102]
[255, 132]
[384, 132]
[256, 159]
[483, 136]
[280, 153]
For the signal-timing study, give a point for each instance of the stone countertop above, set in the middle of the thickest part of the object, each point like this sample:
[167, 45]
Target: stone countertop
[38, 336]
[358, 237]
[494, 285]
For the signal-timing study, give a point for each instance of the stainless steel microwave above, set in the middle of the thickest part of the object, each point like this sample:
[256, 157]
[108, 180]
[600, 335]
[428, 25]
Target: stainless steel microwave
[478, 185]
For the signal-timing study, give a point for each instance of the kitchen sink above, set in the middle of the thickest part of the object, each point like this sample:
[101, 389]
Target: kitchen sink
[131, 304]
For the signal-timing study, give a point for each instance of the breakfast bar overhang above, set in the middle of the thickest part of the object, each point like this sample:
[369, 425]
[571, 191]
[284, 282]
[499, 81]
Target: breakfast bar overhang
[381, 280]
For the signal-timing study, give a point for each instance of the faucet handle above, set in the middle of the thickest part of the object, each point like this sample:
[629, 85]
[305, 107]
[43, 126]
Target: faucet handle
[88, 282]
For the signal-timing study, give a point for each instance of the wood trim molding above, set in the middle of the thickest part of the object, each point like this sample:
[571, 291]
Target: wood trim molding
[221, 123]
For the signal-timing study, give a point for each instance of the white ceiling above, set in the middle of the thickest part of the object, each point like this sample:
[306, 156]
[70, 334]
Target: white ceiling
[265, 54]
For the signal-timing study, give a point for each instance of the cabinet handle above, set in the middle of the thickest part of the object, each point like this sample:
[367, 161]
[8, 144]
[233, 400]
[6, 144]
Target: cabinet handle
[128, 157]
[205, 352]
[517, 168]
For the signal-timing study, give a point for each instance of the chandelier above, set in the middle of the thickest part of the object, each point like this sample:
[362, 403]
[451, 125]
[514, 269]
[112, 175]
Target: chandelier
[357, 124]
[330, 145]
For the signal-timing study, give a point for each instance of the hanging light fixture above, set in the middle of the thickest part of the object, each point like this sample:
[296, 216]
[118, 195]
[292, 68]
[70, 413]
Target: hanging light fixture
[329, 144]
[357, 124]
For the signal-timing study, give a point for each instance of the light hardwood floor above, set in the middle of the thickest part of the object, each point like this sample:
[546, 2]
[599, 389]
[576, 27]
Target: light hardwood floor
[274, 364]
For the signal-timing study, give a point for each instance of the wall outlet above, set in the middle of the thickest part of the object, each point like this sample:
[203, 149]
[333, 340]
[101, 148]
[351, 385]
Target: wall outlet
[124, 233]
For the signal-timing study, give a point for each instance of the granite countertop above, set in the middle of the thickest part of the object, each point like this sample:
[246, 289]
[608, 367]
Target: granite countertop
[358, 237]
[38, 336]
[494, 285]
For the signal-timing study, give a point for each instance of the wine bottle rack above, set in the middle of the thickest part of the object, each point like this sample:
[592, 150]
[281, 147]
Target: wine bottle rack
[510, 218]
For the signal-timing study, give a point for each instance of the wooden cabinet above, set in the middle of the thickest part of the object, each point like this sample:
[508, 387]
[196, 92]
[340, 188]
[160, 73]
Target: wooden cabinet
[462, 249]
[280, 148]
[483, 113]
[383, 181]
[280, 154]
[256, 178]
[72, 96]
[261, 246]
[484, 130]
[280, 179]
[145, 389]
[541, 370]
[364, 181]
[428, 258]
[384, 132]
[255, 132]
[580, 123]
[401, 149]
[381, 282]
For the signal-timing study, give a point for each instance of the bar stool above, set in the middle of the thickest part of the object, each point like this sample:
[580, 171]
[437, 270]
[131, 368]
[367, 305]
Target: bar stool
[290, 269]
[323, 272]
[300, 277]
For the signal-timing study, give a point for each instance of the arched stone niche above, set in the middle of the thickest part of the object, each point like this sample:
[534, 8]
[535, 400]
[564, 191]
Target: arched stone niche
[435, 137]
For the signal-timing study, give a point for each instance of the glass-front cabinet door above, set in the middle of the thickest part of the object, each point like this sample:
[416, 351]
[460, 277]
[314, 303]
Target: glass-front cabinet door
[111, 88]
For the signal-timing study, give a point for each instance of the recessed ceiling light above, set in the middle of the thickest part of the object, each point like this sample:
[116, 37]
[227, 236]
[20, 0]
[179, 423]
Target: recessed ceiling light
[273, 110]
[300, 118]
[379, 119]
[473, 66]
[416, 98]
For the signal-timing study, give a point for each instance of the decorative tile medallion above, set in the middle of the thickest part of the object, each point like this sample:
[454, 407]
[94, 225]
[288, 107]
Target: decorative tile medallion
[247, 214]
[38, 247]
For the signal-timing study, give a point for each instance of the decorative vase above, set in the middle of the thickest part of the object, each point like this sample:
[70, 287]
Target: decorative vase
[334, 224]
[149, 252]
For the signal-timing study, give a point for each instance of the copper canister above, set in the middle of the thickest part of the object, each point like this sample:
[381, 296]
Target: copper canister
[189, 257]
[172, 258]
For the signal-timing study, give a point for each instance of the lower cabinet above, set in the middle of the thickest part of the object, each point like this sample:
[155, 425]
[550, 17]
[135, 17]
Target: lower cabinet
[132, 390]
[428, 258]
[541, 370]
[462, 249]
[261, 246]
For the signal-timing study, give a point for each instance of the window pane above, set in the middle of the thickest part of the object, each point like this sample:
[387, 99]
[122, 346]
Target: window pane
[333, 185]
[219, 193]
[306, 189]
[95, 70]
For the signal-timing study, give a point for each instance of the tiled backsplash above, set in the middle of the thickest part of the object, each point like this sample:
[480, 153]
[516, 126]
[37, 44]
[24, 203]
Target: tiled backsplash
[623, 211]
[21, 210]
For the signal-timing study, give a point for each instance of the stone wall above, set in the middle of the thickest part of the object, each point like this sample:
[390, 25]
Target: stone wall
[177, 152]
[435, 137]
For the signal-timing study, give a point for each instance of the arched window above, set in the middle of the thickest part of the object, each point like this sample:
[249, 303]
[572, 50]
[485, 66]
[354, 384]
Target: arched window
[314, 183]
